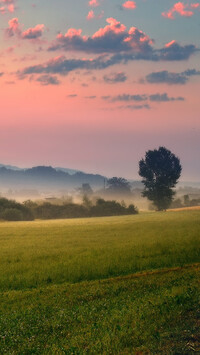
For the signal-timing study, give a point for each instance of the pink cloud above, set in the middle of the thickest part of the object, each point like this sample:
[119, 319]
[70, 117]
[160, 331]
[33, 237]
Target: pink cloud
[2, 10]
[113, 26]
[7, 6]
[33, 33]
[91, 15]
[113, 38]
[170, 44]
[14, 27]
[7, 1]
[130, 5]
[195, 6]
[94, 3]
[186, 10]
[11, 8]
[71, 33]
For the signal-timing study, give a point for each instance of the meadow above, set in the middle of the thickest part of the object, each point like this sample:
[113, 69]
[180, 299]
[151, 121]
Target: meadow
[112, 285]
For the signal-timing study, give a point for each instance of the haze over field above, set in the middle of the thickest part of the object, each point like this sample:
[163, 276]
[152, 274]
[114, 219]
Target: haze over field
[94, 84]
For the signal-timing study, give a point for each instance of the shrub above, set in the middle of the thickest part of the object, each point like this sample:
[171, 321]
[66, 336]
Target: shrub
[111, 208]
[13, 211]
[12, 214]
[24, 213]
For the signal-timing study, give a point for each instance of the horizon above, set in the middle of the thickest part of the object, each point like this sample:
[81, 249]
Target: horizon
[136, 179]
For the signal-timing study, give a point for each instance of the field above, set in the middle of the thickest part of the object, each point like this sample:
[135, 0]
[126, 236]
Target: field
[127, 285]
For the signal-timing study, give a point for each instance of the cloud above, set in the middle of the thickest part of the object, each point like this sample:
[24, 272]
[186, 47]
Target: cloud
[144, 97]
[164, 98]
[14, 28]
[1, 74]
[191, 72]
[33, 33]
[115, 78]
[170, 77]
[11, 8]
[2, 10]
[48, 80]
[91, 15]
[94, 3]
[186, 10]
[166, 77]
[106, 97]
[113, 38]
[7, 6]
[72, 95]
[7, 2]
[125, 45]
[61, 65]
[174, 51]
[129, 5]
[142, 50]
[128, 97]
[134, 107]
[92, 97]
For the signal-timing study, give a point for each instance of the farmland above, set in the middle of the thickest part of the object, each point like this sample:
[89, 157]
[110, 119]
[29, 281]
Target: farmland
[101, 285]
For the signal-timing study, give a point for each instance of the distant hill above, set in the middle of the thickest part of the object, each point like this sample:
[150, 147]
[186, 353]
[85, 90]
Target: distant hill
[46, 177]
[49, 178]
[69, 171]
[10, 167]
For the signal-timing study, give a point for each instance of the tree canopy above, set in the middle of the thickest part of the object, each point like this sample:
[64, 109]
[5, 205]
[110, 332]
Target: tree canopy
[160, 170]
[118, 186]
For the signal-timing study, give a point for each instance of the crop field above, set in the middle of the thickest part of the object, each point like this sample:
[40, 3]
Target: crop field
[113, 285]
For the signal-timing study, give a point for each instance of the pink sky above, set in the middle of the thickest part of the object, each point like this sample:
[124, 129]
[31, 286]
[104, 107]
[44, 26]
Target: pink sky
[95, 94]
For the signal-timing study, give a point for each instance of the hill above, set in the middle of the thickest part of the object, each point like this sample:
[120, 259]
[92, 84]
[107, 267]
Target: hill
[46, 177]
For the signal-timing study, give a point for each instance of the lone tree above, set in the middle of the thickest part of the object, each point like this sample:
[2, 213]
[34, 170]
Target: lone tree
[160, 170]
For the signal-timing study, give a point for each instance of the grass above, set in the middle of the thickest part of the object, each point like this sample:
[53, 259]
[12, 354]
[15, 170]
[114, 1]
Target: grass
[154, 314]
[33, 254]
[115, 285]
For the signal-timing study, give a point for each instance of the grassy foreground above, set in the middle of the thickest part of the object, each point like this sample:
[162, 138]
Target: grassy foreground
[150, 314]
[33, 254]
[43, 312]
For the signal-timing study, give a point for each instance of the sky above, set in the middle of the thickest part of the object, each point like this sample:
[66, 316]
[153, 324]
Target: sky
[92, 85]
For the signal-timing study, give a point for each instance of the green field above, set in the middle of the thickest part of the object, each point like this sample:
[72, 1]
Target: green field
[109, 285]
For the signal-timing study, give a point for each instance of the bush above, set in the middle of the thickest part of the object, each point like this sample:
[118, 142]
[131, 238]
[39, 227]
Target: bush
[67, 210]
[111, 208]
[12, 214]
[11, 208]
[13, 211]
[176, 203]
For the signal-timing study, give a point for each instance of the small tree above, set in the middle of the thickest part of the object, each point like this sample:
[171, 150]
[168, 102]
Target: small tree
[160, 170]
[86, 189]
[186, 200]
[118, 186]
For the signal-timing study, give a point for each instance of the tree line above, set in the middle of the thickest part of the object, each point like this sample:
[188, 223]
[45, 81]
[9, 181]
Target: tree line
[13, 211]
